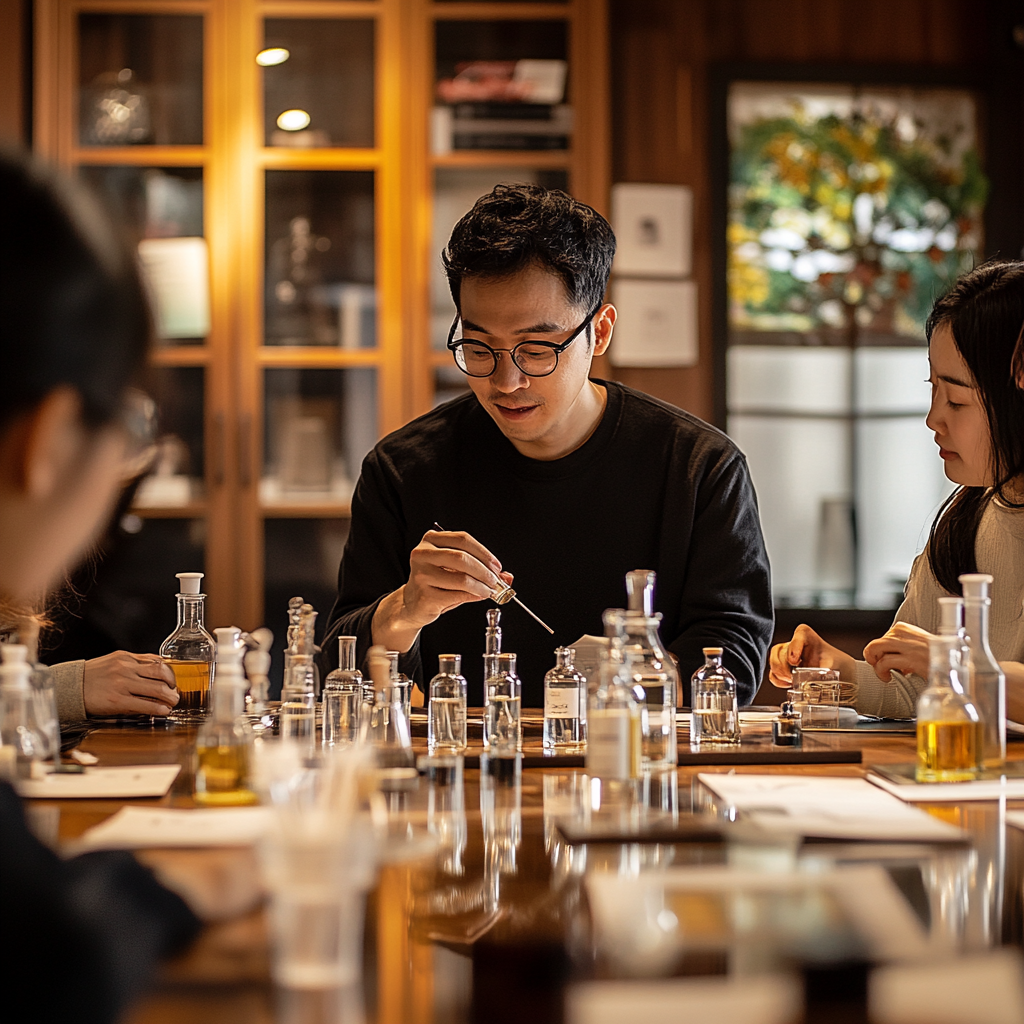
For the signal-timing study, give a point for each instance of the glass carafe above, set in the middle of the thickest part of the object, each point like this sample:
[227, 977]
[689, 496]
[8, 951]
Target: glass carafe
[503, 733]
[189, 651]
[565, 705]
[949, 728]
[446, 714]
[714, 704]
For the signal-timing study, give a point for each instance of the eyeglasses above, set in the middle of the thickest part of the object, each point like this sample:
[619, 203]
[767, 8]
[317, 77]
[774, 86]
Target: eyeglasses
[534, 358]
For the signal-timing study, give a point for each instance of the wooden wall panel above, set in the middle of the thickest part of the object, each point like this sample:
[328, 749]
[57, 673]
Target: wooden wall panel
[13, 72]
[658, 44]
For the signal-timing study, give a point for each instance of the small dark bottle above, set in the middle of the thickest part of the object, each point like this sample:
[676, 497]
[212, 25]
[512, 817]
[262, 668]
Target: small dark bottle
[786, 728]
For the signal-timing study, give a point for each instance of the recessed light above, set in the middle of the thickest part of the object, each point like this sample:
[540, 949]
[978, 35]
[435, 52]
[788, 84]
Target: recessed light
[293, 120]
[274, 55]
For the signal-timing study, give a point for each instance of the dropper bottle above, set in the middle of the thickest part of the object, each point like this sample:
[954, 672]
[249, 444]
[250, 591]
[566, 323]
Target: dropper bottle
[224, 743]
[18, 730]
[987, 680]
[189, 651]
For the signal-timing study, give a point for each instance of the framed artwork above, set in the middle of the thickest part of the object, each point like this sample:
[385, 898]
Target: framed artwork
[657, 324]
[653, 226]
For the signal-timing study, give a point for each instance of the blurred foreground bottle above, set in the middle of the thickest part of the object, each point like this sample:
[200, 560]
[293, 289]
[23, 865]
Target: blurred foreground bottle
[714, 705]
[987, 681]
[653, 670]
[18, 730]
[949, 728]
[565, 705]
[189, 651]
[614, 737]
[224, 743]
[446, 713]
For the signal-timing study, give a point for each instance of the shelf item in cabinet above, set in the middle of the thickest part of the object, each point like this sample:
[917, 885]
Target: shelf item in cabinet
[497, 126]
[505, 81]
[170, 491]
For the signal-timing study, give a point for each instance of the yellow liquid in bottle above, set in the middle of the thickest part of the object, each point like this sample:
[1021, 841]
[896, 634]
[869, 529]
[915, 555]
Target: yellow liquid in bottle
[193, 681]
[636, 746]
[948, 751]
[222, 776]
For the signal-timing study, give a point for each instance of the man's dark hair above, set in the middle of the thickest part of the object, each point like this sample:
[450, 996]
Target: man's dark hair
[517, 226]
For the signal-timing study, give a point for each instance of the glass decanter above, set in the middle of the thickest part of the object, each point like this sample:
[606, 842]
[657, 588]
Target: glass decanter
[714, 703]
[189, 651]
[343, 697]
[565, 705]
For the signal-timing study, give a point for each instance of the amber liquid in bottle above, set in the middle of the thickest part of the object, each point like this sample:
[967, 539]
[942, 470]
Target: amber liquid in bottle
[222, 776]
[193, 681]
[948, 751]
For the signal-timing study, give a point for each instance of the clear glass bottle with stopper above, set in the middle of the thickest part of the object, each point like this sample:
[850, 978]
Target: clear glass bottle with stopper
[446, 713]
[987, 680]
[565, 705]
[503, 733]
[389, 729]
[343, 697]
[614, 735]
[18, 729]
[225, 739]
[949, 728]
[714, 704]
[298, 694]
[653, 670]
[189, 651]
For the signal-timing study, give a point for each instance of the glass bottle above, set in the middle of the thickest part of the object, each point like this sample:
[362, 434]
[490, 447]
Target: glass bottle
[189, 651]
[987, 681]
[786, 731]
[343, 697]
[653, 670]
[492, 648]
[18, 730]
[565, 705]
[713, 702]
[402, 682]
[225, 740]
[614, 735]
[949, 728]
[503, 731]
[389, 728]
[446, 714]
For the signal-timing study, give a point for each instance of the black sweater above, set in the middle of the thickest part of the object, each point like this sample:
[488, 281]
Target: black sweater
[652, 488]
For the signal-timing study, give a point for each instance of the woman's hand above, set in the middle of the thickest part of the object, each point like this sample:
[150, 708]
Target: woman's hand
[903, 648]
[806, 648]
[128, 684]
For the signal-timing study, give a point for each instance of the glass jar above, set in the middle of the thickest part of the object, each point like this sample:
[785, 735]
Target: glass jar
[565, 705]
[446, 717]
[503, 733]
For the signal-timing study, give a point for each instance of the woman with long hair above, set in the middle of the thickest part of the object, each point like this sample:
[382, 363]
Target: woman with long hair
[977, 416]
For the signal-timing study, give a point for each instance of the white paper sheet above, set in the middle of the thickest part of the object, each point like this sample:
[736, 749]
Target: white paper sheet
[828, 808]
[122, 782]
[952, 792]
[134, 828]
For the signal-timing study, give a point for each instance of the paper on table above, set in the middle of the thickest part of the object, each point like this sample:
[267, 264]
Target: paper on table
[827, 808]
[952, 792]
[103, 783]
[134, 828]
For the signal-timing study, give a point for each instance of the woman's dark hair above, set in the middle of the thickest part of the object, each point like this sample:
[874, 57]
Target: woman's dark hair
[984, 310]
[514, 226]
[73, 309]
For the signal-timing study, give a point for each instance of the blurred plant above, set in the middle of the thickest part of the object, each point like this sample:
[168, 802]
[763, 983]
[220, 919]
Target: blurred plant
[849, 222]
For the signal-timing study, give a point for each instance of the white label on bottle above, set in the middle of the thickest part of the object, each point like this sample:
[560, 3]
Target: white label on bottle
[608, 743]
[561, 702]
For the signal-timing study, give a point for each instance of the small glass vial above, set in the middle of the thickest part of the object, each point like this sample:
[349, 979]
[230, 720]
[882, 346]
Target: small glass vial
[614, 732]
[786, 731]
[343, 697]
[950, 736]
[446, 717]
[503, 733]
[401, 682]
[225, 739]
[714, 703]
[565, 705]
[18, 728]
[189, 651]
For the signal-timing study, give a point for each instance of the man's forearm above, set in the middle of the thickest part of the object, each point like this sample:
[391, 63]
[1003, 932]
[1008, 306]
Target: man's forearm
[391, 625]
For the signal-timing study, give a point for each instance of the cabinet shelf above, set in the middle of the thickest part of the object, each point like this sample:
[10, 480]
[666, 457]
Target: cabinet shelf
[303, 357]
[542, 159]
[320, 158]
[306, 510]
[141, 156]
[180, 355]
[193, 510]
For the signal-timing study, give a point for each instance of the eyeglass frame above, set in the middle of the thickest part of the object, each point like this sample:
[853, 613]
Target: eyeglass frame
[557, 347]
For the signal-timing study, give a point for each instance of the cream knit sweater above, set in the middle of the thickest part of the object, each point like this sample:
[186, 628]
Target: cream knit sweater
[999, 550]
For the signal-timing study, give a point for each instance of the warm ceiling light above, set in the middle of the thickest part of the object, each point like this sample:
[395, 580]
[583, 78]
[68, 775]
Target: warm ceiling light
[293, 120]
[274, 55]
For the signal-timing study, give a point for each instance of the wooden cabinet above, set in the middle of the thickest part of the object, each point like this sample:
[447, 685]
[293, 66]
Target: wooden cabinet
[278, 164]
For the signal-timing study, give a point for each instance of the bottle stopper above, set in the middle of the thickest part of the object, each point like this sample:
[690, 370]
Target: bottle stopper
[189, 582]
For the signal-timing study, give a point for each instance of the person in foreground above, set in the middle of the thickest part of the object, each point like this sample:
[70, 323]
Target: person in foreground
[84, 934]
[977, 416]
[566, 481]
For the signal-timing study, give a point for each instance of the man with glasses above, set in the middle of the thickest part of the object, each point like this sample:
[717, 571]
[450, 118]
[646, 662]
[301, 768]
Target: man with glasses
[566, 481]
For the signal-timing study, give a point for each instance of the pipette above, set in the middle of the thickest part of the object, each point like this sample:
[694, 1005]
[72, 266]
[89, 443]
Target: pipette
[504, 593]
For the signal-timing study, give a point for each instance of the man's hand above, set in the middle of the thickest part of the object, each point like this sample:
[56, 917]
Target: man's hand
[904, 648]
[128, 684]
[806, 648]
[445, 570]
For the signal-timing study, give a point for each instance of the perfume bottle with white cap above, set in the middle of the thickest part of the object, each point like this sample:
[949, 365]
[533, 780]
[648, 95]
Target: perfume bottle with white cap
[189, 651]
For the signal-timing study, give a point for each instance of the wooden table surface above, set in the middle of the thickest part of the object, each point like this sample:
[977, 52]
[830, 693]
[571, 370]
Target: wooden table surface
[421, 920]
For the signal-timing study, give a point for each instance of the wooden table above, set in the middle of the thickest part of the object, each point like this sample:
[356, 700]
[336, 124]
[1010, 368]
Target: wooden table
[421, 922]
